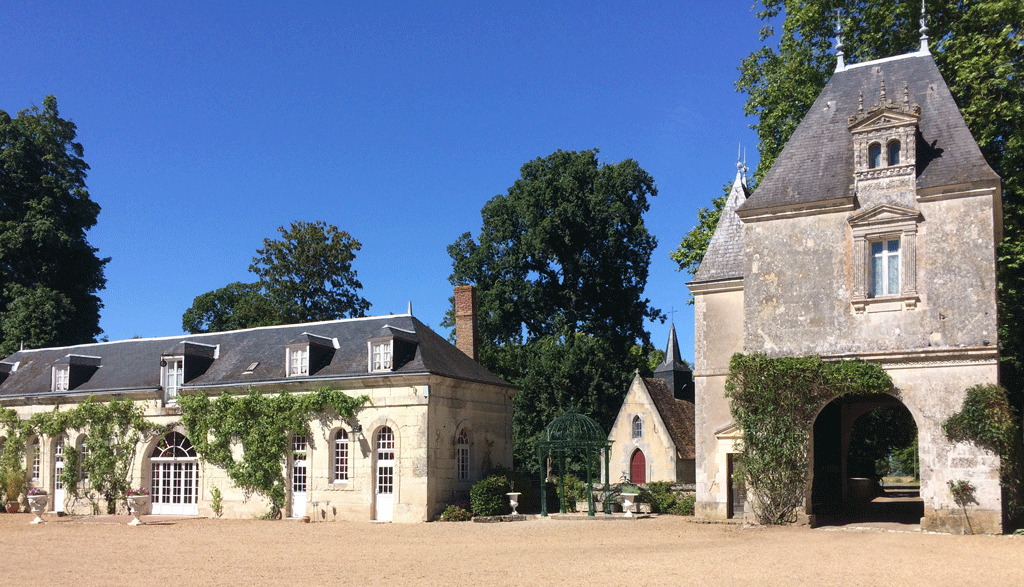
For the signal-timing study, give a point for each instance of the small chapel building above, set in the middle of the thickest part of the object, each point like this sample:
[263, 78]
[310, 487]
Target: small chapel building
[436, 420]
[873, 236]
[652, 436]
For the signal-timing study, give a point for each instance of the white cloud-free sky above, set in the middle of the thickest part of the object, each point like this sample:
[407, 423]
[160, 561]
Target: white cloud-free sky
[207, 125]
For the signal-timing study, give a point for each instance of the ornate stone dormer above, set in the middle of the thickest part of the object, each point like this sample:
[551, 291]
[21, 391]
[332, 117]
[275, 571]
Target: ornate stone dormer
[884, 145]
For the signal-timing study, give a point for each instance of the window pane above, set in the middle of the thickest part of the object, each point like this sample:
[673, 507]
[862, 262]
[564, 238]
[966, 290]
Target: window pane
[874, 155]
[894, 153]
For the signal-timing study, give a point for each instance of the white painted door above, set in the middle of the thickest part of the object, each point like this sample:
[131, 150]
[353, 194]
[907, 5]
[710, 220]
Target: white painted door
[385, 475]
[174, 486]
[58, 472]
[299, 476]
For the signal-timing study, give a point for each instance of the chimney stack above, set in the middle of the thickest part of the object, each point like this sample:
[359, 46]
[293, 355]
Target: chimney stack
[465, 320]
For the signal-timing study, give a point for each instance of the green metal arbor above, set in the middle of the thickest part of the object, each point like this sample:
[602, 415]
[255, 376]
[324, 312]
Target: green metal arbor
[573, 434]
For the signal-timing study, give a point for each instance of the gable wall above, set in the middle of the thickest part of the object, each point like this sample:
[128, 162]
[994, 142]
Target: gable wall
[655, 442]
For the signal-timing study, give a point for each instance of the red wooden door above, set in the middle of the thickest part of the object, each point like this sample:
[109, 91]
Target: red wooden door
[638, 467]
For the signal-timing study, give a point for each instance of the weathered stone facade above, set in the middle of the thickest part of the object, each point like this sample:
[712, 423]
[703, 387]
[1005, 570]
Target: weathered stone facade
[436, 402]
[872, 237]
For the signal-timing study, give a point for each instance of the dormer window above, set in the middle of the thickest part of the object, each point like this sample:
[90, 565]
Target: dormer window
[309, 353]
[182, 363]
[61, 377]
[72, 371]
[381, 356]
[894, 153]
[173, 376]
[390, 349]
[298, 361]
[874, 156]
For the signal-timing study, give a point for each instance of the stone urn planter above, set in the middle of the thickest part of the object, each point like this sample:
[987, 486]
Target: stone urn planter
[37, 505]
[513, 500]
[628, 499]
[137, 504]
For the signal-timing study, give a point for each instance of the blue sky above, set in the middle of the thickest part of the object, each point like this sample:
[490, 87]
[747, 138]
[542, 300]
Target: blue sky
[208, 125]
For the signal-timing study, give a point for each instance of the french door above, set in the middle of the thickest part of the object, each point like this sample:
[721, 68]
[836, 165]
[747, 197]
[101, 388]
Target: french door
[299, 476]
[174, 487]
[385, 475]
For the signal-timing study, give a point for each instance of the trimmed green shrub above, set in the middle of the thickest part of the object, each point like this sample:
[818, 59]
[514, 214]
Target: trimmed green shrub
[488, 496]
[659, 495]
[683, 506]
[455, 514]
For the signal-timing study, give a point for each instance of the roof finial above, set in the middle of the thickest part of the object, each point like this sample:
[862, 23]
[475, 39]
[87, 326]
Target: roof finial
[860, 103]
[840, 65]
[739, 154]
[906, 96]
[745, 168]
[881, 100]
[924, 29]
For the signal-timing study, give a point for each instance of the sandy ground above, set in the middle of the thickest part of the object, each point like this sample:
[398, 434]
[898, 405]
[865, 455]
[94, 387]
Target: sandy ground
[662, 551]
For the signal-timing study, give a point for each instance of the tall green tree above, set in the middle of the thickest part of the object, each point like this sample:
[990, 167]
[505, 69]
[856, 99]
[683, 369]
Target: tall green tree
[978, 46]
[49, 273]
[560, 267]
[235, 306]
[306, 276]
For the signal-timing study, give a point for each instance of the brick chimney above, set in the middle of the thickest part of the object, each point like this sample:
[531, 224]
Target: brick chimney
[465, 320]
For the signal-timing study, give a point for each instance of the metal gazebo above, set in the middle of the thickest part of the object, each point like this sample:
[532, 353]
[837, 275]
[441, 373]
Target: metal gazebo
[572, 433]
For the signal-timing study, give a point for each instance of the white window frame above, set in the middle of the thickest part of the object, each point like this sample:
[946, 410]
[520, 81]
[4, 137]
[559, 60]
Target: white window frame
[61, 378]
[341, 463]
[462, 455]
[637, 427]
[173, 377]
[36, 459]
[880, 282]
[382, 355]
[884, 224]
[296, 361]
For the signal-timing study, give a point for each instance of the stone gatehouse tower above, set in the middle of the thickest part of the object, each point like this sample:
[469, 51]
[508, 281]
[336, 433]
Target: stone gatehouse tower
[873, 237]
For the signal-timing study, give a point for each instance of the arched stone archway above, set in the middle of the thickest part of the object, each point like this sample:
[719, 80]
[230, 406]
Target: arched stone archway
[845, 486]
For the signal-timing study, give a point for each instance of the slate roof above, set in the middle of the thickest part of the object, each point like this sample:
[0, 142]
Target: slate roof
[724, 257]
[817, 162]
[678, 416]
[673, 358]
[134, 365]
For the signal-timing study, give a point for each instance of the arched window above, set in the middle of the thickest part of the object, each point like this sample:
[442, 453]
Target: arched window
[341, 456]
[174, 482]
[874, 156]
[638, 427]
[894, 153]
[462, 455]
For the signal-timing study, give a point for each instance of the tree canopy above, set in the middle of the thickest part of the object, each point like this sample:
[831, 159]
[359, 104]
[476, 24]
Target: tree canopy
[560, 267]
[49, 273]
[978, 46]
[306, 276]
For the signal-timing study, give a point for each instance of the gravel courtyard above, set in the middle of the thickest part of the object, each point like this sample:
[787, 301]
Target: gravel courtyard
[662, 551]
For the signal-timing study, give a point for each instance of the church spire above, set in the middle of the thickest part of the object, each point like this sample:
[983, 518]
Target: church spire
[840, 64]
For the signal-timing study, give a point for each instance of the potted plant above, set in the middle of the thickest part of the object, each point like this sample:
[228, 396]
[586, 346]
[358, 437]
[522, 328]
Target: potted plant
[14, 483]
[37, 500]
[138, 499]
[629, 494]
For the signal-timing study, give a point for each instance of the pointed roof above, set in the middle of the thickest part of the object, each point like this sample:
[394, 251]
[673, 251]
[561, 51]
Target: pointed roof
[678, 416]
[724, 257]
[816, 166]
[673, 359]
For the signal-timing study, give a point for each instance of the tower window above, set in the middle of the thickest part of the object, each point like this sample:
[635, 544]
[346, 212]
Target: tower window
[874, 156]
[894, 153]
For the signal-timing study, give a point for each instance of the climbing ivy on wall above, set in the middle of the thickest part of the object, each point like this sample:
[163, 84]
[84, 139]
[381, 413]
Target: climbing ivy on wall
[114, 429]
[987, 420]
[775, 401]
[261, 424]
